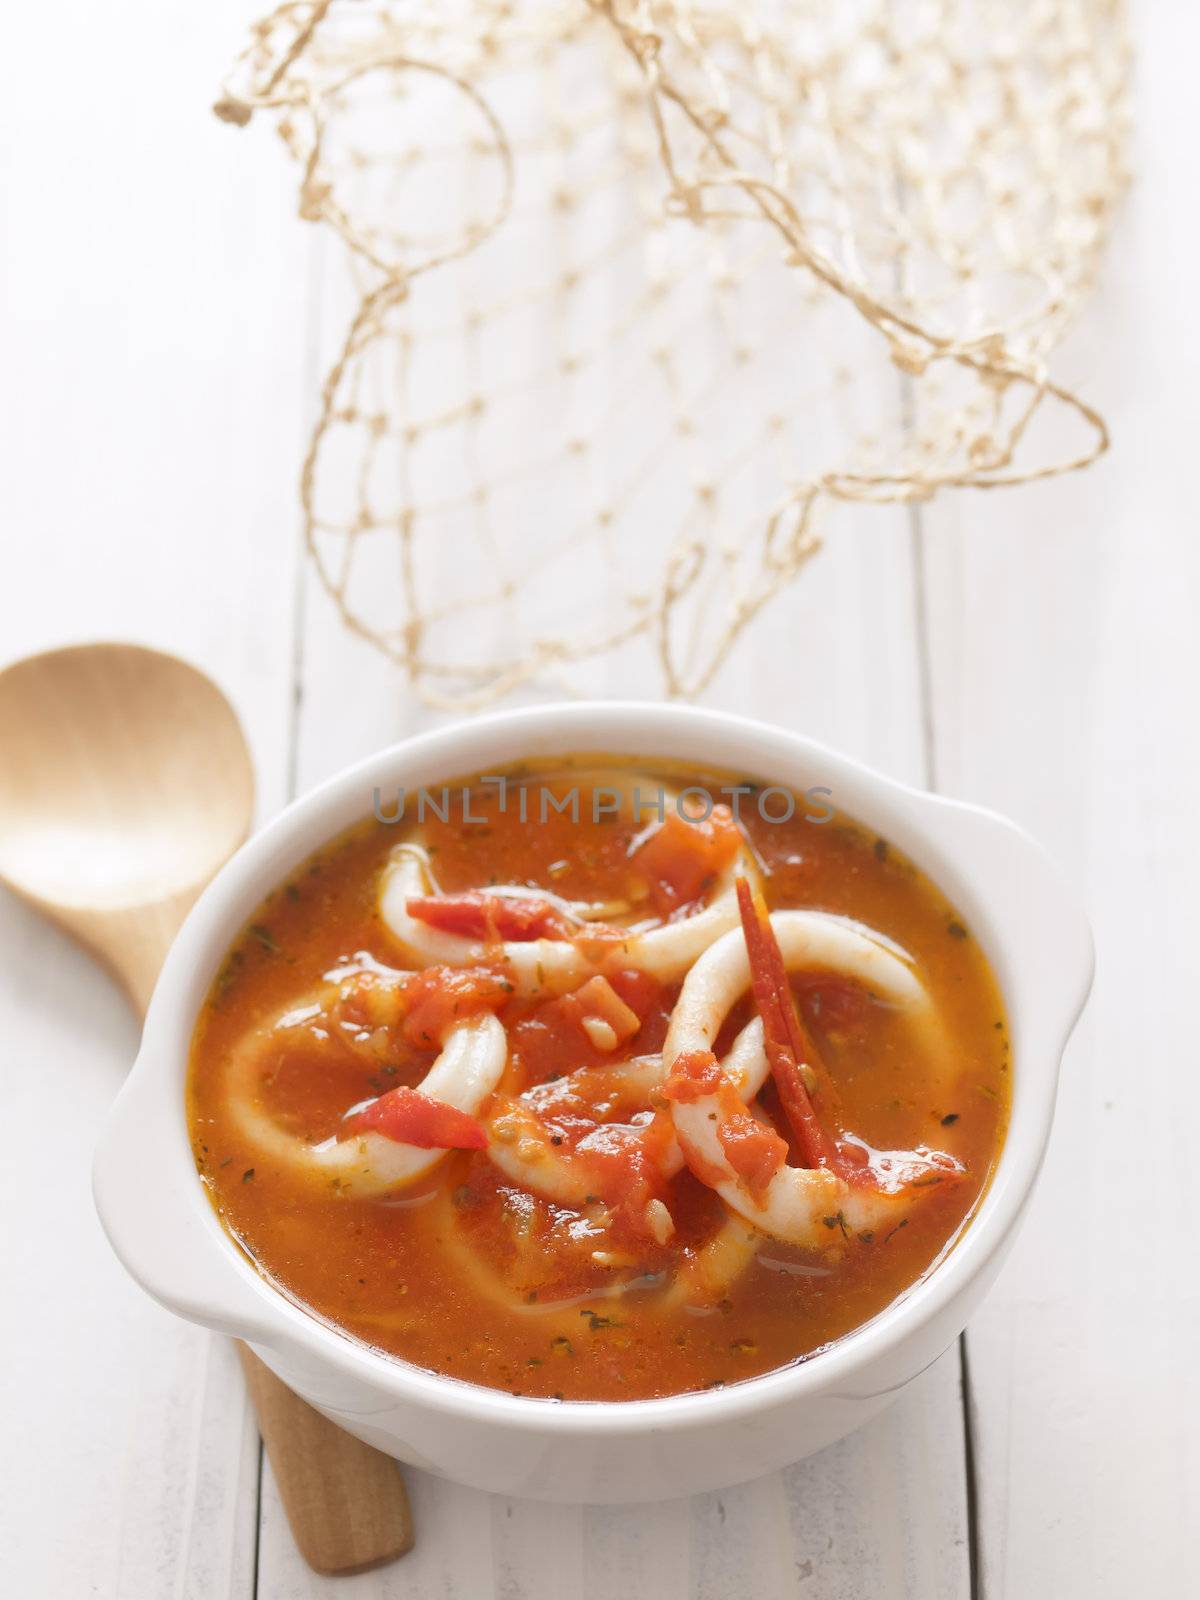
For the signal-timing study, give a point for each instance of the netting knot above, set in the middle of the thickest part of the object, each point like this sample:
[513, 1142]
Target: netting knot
[910, 358]
[314, 197]
[232, 110]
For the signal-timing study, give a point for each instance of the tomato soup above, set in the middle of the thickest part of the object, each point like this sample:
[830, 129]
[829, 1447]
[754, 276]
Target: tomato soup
[603, 1079]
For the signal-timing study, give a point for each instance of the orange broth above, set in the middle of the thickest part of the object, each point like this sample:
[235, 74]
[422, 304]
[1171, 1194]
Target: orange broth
[464, 1273]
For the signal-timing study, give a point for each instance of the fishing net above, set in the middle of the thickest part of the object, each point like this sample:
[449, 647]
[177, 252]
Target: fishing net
[639, 292]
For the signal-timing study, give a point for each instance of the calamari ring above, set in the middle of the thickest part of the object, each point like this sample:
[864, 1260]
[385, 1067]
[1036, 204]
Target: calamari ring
[553, 966]
[708, 1273]
[488, 1281]
[467, 1070]
[668, 952]
[519, 1143]
[815, 940]
[705, 1276]
[809, 1207]
[534, 966]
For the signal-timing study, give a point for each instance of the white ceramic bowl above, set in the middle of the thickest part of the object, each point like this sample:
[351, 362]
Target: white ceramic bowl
[165, 1231]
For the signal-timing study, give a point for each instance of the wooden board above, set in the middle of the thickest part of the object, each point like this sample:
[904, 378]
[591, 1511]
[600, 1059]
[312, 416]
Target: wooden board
[162, 338]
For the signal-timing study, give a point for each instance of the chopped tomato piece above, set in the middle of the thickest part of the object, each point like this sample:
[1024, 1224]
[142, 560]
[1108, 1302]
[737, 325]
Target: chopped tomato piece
[658, 1140]
[640, 992]
[551, 1037]
[785, 1036]
[547, 1042]
[410, 1117]
[440, 996]
[684, 854]
[601, 1013]
[476, 915]
[754, 1151]
[365, 1002]
[836, 1005]
[624, 1171]
[696, 1073]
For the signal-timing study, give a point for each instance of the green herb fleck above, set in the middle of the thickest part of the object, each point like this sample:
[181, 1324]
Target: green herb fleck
[596, 1321]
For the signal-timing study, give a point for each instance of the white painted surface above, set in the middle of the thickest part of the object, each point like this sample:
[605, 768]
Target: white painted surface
[160, 343]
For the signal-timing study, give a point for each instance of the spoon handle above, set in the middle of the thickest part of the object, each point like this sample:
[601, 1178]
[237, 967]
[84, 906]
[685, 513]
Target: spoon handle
[346, 1503]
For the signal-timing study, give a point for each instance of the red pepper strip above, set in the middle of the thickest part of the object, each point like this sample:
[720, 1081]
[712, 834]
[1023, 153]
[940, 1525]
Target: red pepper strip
[492, 916]
[410, 1117]
[786, 1039]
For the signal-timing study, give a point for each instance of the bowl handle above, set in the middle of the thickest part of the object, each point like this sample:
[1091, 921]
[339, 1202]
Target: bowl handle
[160, 1223]
[1024, 895]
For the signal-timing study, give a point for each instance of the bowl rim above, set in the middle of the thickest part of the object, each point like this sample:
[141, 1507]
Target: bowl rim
[990, 863]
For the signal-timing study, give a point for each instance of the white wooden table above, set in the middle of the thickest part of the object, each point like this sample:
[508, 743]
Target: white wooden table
[1036, 650]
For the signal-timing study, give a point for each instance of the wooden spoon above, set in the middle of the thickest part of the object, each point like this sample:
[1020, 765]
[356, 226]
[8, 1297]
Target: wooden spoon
[125, 784]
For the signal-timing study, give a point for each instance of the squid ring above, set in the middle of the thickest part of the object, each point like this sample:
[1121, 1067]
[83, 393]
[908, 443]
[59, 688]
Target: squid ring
[520, 1144]
[552, 966]
[808, 1207]
[534, 966]
[467, 1070]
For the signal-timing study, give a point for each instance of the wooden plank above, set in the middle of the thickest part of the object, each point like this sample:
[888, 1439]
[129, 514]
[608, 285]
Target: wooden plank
[1065, 656]
[151, 420]
[453, 1555]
